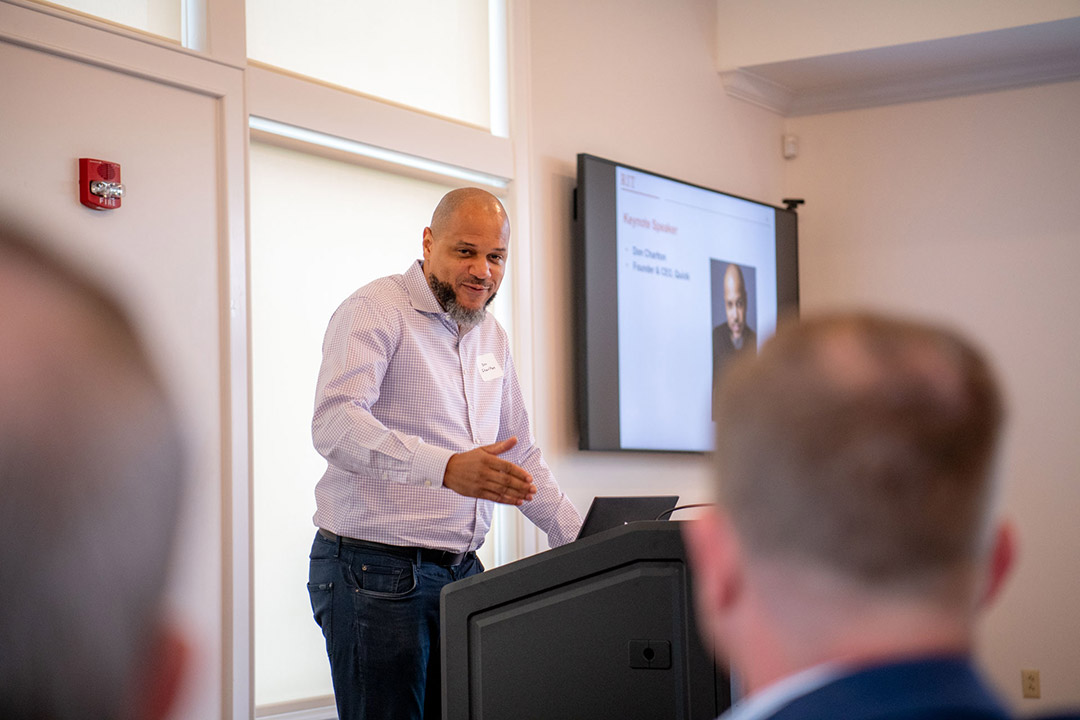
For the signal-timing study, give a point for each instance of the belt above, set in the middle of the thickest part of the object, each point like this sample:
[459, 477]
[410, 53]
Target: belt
[444, 558]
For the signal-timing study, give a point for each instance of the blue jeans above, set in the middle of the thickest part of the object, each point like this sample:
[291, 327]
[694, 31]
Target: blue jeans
[379, 613]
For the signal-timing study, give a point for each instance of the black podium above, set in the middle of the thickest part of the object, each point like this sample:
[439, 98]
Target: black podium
[601, 628]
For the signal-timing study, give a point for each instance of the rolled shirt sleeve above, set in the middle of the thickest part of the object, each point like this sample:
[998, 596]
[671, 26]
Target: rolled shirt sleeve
[550, 510]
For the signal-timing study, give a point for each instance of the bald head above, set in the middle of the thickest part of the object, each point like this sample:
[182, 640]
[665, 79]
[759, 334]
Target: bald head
[469, 199]
[465, 251]
[735, 301]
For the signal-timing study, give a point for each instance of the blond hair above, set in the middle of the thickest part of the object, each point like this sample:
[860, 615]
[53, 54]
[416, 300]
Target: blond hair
[861, 444]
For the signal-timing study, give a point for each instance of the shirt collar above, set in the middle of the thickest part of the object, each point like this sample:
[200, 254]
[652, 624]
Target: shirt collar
[767, 701]
[420, 294]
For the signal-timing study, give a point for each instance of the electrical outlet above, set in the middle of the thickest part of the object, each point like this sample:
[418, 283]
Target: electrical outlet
[1029, 680]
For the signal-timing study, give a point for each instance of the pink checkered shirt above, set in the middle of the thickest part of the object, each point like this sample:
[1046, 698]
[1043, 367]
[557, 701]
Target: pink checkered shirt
[400, 391]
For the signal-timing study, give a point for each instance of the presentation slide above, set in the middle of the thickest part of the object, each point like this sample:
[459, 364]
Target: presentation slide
[696, 284]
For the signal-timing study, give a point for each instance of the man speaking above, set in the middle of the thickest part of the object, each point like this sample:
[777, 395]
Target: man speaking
[420, 417]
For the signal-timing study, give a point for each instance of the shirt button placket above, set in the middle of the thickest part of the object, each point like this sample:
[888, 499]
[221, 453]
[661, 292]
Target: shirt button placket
[468, 380]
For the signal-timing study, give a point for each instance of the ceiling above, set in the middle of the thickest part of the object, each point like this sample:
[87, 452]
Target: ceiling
[980, 62]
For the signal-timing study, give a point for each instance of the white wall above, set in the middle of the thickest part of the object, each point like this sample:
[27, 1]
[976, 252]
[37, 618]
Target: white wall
[964, 210]
[632, 82]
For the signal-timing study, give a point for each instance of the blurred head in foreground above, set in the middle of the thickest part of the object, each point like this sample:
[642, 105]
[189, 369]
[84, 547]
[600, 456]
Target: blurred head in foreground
[91, 469]
[853, 464]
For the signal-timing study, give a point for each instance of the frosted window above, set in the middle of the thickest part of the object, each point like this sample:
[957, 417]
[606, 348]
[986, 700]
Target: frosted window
[433, 55]
[160, 17]
[320, 228]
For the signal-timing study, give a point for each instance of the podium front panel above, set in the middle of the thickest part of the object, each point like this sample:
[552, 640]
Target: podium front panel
[602, 627]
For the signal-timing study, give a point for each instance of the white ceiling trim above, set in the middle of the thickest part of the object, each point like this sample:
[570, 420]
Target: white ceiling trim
[984, 62]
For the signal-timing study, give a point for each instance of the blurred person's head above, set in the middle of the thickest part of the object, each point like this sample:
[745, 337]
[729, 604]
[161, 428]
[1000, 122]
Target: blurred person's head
[854, 461]
[90, 481]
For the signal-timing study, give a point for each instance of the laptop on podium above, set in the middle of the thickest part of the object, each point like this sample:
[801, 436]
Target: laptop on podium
[606, 513]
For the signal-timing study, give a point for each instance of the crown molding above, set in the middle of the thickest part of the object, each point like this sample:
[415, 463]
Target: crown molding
[950, 67]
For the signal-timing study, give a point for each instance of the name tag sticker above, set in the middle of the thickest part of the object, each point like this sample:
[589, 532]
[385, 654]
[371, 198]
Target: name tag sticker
[488, 367]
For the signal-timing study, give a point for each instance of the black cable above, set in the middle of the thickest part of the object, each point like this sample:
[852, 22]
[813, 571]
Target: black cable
[683, 507]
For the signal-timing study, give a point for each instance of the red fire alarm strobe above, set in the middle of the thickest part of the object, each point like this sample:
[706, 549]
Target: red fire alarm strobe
[99, 184]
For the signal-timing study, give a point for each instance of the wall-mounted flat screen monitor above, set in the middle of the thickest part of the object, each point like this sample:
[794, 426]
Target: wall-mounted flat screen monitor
[674, 281]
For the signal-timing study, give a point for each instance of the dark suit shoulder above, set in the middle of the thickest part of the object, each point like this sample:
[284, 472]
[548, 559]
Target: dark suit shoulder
[927, 689]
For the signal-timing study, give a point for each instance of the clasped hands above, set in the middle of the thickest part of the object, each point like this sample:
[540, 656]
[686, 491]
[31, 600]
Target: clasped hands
[481, 473]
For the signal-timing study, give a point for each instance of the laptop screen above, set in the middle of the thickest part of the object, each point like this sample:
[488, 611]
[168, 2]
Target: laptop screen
[611, 512]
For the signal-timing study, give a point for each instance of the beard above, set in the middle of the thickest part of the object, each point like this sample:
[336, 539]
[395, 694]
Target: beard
[463, 316]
